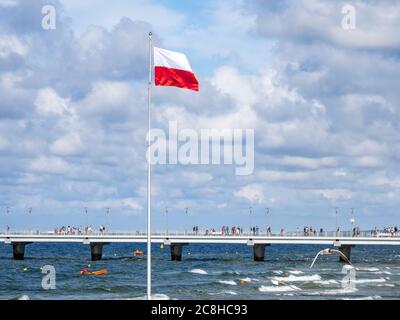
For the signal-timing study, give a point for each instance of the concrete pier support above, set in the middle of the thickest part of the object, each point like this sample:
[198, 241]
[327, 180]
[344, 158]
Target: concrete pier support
[97, 251]
[346, 250]
[259, 252]
[176, 251]
[19, 250]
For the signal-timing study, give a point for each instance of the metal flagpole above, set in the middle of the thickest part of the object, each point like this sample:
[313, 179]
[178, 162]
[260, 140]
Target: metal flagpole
[149, 171]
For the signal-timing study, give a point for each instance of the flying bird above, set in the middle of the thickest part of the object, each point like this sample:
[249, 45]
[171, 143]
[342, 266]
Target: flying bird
[330, 252]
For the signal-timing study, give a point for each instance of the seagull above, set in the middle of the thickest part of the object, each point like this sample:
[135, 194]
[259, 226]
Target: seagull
[330, 252]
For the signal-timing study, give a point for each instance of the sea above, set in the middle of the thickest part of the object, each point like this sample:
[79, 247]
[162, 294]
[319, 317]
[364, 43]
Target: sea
[206, 272]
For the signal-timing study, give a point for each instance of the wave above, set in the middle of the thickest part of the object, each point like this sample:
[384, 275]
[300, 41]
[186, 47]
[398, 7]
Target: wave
[229, 292]
[332, 292]
[157, 297]
[389, 285]
[382, 272]
[24, 297]
[292, 278]
[228, 282]
[365, 298]
[359, 281]
[326, 282]
[296, 272]
[198, 271]
[372, 269]
[278, 288]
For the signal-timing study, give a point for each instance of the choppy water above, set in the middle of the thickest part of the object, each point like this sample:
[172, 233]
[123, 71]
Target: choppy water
[206, 272]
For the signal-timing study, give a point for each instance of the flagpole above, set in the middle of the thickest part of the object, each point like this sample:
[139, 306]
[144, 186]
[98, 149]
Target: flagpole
[149, 170]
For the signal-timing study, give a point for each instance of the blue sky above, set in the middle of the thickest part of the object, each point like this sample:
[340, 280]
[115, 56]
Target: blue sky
[323, 101]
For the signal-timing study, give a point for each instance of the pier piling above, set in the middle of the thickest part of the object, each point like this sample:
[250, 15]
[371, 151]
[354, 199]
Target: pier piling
[97, 251]
[346, 250]
[19, 250]
[259, 252]
[176, 251]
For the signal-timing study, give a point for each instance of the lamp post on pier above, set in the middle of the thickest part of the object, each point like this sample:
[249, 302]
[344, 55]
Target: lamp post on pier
[337, 222]
[6, 220]
[187, 215]
[29, 219]
[166, 214]
[86, 220]
[107, 219]
[250, 219]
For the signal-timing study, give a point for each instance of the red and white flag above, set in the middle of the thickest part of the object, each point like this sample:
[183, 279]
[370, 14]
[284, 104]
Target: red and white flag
[173, 69]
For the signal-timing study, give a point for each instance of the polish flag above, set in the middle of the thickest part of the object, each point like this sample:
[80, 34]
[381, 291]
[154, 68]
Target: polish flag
[173, 69]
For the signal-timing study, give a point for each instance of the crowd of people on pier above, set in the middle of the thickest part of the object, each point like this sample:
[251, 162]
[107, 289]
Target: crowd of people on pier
[307, 231]
[237, 231]
[225, 231]
[311, 232]
[387, 231]
[68, 230]
[195, 230]
[356, 232]
[255, 231]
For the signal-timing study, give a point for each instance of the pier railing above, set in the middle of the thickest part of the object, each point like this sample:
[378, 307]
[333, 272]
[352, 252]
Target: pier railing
[325, 234]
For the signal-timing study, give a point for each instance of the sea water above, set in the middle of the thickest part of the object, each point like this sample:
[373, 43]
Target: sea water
[206, 272]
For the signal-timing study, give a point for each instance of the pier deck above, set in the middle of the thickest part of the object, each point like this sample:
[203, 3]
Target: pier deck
[177, 241]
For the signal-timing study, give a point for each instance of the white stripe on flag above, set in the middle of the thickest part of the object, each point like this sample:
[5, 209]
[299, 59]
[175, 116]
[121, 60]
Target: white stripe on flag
[171, 59]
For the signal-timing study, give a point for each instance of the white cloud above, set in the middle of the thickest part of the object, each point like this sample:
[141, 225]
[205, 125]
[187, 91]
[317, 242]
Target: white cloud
[368, 147]
[51, 165]
[107, 99]
[253, 193]
[321, 20]
[12, 45]
[131, 204]
[30, 179]
[229, 81]
[283, 175]
[197, 178]
[108, 15]
[4, 143]
[48, 102]
[340, 173]
[125, 203]
[67, 145]
[334, 194]
[309, 163]
[8, 3]
[368, 162]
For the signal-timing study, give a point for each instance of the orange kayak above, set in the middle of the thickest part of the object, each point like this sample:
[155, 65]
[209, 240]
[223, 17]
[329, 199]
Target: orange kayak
[95, 273]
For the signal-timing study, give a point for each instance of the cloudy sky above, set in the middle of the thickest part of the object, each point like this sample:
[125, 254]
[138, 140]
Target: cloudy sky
[323, 101]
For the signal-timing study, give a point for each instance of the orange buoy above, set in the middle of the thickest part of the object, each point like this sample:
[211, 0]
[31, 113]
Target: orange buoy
[137, 253]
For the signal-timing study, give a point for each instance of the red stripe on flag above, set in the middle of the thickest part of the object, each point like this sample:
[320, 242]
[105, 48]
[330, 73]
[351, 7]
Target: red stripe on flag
[176, 78]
